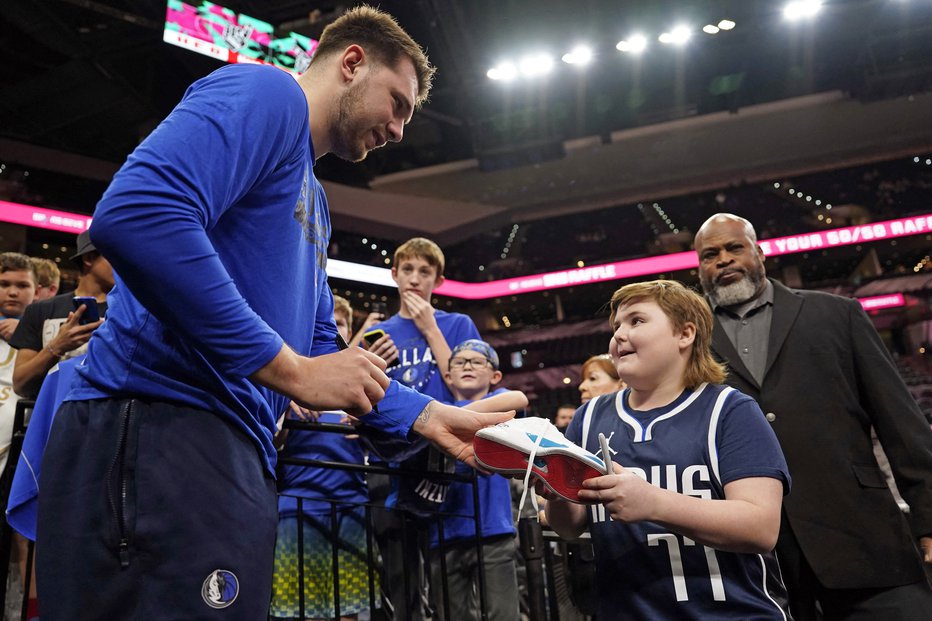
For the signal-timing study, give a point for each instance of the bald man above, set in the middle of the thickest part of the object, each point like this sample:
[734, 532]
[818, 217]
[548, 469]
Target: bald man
[821, 374]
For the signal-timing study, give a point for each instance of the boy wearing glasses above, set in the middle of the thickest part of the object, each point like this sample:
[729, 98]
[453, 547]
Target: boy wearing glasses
[472, 376]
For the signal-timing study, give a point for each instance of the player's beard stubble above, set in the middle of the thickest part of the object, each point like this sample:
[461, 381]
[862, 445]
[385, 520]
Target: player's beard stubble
[348, 135]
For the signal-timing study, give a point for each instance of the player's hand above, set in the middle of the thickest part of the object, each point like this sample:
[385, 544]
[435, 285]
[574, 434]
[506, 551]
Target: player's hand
[925, 546]
[452, 429]
[352, 380]
[72, 335]
[420, 310]
[628, 497]
[385, 349]
[8, 327]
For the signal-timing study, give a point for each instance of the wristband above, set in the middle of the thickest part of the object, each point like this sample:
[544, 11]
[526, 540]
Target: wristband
[55, 354]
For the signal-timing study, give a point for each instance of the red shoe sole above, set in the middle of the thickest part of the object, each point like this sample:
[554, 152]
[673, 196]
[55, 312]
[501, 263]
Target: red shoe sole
[564, 475]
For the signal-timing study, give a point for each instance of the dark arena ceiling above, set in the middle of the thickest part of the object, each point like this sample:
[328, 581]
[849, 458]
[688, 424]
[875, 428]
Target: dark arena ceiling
[838, 105]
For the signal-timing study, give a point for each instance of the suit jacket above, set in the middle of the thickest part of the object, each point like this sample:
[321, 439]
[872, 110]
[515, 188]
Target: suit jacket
[828, 380]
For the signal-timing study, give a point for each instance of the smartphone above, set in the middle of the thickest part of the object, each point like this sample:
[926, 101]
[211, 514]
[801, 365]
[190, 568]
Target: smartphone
[372, 336]
[91, 313]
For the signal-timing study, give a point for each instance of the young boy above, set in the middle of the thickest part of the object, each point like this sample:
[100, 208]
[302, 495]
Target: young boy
[17, 290]
[473, 373]
[685, 526]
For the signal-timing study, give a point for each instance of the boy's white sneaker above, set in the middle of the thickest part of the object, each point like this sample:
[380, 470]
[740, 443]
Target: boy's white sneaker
[533, 444]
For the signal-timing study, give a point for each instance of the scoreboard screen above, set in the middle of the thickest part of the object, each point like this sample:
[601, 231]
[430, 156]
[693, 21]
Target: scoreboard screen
[216, 31]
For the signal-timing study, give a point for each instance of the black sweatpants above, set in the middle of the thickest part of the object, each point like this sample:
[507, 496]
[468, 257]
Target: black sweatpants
[152, 511]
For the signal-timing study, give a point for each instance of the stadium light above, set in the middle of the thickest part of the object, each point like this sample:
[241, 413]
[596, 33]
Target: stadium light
[678, 36]
[504, 72]
[800, 9]
[726, 24]
[535, 65]
[635, 44]
[710, 29]
[579, 55]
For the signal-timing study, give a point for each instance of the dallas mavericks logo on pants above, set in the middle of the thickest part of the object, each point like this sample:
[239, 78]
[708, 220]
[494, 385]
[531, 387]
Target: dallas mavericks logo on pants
[220, 588]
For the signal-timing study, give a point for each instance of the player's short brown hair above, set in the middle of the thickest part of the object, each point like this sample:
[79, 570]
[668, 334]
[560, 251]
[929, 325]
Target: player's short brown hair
[379, 34]
[682, 305]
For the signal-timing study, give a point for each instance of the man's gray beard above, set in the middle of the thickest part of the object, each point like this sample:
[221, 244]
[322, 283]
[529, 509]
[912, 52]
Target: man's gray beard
[735, 293]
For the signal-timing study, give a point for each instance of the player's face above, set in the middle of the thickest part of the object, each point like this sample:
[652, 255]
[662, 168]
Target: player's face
[374, 109]
[417, 276]
[17, 290]
[647, 350]
[596, 382]
[731, 265]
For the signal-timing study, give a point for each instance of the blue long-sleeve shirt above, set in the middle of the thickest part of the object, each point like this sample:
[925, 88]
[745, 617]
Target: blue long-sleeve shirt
[218, 230]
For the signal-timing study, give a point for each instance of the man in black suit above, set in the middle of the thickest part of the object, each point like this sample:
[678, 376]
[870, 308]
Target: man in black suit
[822, 376]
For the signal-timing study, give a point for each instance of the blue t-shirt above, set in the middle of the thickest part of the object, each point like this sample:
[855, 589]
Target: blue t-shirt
[320, 485]
[694, 446]
[494, 504]
[218, 230]
[416, 367]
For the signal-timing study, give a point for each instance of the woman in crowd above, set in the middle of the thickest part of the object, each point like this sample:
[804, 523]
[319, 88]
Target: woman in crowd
[599, 377]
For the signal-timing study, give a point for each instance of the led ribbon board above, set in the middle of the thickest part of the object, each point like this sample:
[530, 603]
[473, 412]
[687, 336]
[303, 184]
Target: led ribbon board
[345, 270]
[791, 244]
[880, 302]
[27, 215]
[220, 33]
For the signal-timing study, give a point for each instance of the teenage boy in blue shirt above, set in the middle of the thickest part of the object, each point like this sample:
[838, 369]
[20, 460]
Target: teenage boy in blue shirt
[422, 337]
[422, 334]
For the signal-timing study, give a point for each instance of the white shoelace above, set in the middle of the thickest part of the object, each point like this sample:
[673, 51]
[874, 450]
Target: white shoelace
[527, 473]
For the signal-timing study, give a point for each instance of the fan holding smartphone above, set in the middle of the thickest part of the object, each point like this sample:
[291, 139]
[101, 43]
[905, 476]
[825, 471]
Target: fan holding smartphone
[59, 327]
[376, 340]
[91, 309]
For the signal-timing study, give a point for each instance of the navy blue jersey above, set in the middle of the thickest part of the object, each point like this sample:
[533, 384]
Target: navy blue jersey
[694, 446]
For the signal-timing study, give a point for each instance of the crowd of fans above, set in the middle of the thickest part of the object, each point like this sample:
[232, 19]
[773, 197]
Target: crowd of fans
[421, 525]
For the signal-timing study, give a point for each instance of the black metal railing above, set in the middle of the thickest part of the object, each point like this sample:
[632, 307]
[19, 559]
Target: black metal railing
[543, 553]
